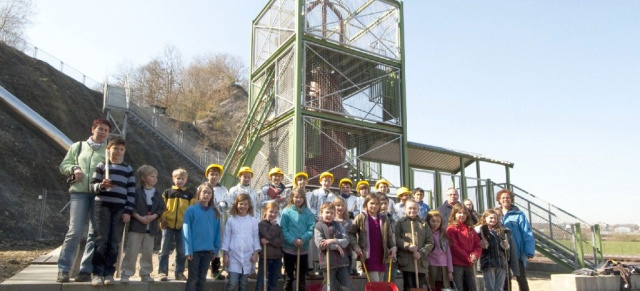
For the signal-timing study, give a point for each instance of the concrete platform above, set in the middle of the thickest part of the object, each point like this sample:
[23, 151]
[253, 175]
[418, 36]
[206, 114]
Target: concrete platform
[570, 282]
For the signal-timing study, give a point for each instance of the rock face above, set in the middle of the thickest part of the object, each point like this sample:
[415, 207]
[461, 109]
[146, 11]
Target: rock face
[30, 165]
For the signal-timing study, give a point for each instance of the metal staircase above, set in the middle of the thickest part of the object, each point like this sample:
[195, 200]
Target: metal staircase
[558, 233]
[133, 117]
[247, 144]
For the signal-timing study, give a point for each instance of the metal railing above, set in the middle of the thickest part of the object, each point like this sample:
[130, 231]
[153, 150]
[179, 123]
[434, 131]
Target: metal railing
[566, 230]
[190, 145]
[193, 147]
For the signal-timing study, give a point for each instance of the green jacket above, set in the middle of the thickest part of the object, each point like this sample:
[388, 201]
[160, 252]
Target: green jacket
[88, 160]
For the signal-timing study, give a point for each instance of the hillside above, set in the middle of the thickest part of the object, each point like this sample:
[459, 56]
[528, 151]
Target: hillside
[30, 165]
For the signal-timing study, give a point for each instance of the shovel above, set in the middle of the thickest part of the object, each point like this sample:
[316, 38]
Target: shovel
[298, 270]
[264, 268]
[378, 286]
[415, 262]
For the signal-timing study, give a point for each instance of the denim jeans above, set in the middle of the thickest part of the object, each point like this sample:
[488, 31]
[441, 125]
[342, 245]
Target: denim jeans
[80, 211]
[169, 235]
[465, 277]
[339, 278]
[109, 227]
[494, 278]
[237, 280]
[273, 270]
[198, 268]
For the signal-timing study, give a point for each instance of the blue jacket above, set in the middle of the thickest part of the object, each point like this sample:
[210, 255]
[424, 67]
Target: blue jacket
[297, 223]
[200, 229]
[525, 245]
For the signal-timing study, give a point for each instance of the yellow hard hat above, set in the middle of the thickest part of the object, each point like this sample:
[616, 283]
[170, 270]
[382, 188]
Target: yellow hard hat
[327, 174]
[402, 191]
[275, 171]
[212, 166]
[346, 180]
[245, 170]
[382, 181]
[300, 174]
[363, 182]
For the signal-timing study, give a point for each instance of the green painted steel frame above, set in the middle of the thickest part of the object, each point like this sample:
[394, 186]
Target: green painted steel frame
[298, 41]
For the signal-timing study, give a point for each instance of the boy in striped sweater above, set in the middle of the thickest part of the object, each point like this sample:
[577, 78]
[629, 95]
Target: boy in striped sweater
[114, 184]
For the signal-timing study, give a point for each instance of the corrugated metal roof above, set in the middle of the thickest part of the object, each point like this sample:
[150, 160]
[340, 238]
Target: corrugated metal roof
[429, 157]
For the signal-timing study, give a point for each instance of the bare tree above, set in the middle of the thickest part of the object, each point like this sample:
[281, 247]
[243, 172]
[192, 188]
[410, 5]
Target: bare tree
[15, 17]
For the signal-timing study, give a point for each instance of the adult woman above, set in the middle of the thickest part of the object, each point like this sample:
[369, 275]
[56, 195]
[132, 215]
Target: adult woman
[523, 242]
[80, 161]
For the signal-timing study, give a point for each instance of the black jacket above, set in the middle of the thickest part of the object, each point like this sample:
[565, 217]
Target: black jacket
[157, 207]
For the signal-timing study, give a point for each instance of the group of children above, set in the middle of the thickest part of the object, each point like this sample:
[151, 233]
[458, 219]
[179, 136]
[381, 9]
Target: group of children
[317, 229]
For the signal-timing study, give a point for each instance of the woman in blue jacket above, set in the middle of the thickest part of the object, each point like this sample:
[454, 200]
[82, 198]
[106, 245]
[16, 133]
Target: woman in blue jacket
[523, 241]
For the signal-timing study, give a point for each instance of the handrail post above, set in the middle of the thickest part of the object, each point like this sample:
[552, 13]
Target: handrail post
[596, 241]
[490, 200]
[550, 222]
[577, 233]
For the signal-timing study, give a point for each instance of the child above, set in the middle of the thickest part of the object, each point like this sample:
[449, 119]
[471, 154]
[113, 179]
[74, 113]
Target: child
[331, 240]
[345, 192]
[415, 242]
[297, 226]
[300, 180]
[362, 190]
[372, 239]
[384, 211]
[382, 187]
[201, 235]
[275, 190]
[177, 199]
[213, 174]
[144, 228]
[440, 266]
[271, 238]
[473, 215]
[240, 243]
[493, 261]
[404, 194]
[315, 199]
[342, 217]
[115, 188]
[245, 174]
[465, 247]
[418, 195]
[319, 196]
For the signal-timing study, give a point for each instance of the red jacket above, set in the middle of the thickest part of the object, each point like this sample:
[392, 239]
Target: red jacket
[464, 242]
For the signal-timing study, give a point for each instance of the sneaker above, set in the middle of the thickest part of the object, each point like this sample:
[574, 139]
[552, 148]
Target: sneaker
[163, 277]
[97, 281]
[63, 277]
[82, 277]
[108, 280]
[124, 279]
[181, 277]
[147, 279]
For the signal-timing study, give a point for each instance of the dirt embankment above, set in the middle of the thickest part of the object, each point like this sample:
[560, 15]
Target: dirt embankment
[30, 164]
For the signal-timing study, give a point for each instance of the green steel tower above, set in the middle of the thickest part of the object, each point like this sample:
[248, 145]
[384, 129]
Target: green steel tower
[326, 92]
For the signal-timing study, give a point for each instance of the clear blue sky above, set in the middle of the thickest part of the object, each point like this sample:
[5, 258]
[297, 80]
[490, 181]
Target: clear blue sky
[553, 86]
